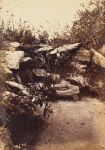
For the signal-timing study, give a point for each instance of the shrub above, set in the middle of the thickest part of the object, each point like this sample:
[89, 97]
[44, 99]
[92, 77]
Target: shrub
[89, 28]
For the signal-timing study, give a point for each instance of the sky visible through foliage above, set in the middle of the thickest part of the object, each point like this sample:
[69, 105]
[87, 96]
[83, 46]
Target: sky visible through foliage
[50, 15]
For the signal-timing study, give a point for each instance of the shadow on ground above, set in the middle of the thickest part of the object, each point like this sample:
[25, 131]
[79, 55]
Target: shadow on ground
[24, 129]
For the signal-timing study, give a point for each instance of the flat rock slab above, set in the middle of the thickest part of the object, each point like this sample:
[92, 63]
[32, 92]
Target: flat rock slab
[63, 85]
[44, 49]
[66, 93]
[64, 48]
[65, 89]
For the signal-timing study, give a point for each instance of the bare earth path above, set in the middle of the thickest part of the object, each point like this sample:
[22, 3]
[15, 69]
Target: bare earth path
[74, 126]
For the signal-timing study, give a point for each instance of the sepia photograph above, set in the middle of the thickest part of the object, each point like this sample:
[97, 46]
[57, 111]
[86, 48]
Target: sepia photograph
[52, 72]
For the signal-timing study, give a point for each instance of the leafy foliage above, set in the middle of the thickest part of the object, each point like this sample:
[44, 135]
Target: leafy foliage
[89, 28]
[39, 95]
[43, 37]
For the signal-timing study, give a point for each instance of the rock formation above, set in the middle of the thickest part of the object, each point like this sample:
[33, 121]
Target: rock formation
[62, 69]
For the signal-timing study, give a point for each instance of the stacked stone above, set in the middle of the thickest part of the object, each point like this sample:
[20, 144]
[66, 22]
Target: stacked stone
[26, 67]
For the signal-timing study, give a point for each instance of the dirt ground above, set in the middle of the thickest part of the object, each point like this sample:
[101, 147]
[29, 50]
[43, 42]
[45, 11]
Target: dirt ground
[73, 125]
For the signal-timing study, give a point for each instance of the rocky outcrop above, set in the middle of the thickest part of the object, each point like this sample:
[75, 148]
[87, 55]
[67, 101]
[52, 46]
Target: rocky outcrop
[28, 66]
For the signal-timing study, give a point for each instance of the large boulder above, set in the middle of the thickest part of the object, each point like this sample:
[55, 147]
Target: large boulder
[6, 72]
[12, 59]
[12, 64]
